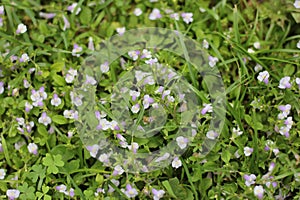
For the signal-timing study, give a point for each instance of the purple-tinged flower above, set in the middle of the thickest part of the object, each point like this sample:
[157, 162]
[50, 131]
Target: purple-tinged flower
[29, 126]
[76, 50]
[250, 50]
[297, 4]
[26, 84]
[259, 191]
[32, 148]
[207, 108]
[121, 30]
[157, 194]
[133, 147]
[146, 54]
[28, 107]
[165, 93]
[93, 150]
[276, 151]
[104, 125]
[176, 163]
[22, 28]
[134, 54]
[51, 130]
[1, 10]
[21, 121]
[1, 23]
[212, 61]
[284, 130]
[289, 122]
[285, 82]
[248, 151]
[90, 80]
[159, 90]
[263, 77]
[271, 167]
[99, 190]
[155, 14]
[72, 192]
[1, 148]
[134, 94]
[285, 111]
[212, 135]
[1, 87]
[187, 17]
[114, 125]
[104, 158]
[66, 23]
[151, 61]
[182, 142]
[175, 16]
[130, 192]
[135, 108]
[24, 58]
[44, 119]
[137, 12]
[91, 44]
[118, 170]
[104, 67]
[55, 101]
[147, 101]
[47, 15]
[62, 188]
[110, 188]
[12, 194]
[249, 179]
[2, 174]
[72, 8]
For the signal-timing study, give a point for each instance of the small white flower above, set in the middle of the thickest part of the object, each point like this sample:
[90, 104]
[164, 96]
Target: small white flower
[263, 77]
[135, 108]
[176, 163]
[237, 131]
[55, 101]
[205, 44]
[104, 67]
[44, 119]
[134, 55]
[250, 50]
[187, 17]
[90, 80]
[104, 158]
[256, 45]
[12, 194]
[259, 191]
[32, 148]
[212, 134]
[248, 151]
[212, 61]
[285, 83]
[22, 28]
[297, 4]
[182, 142]
[72, 7]
[24, 57]
[93, 150]
[118, 170]
[2, 174]
[155, 14]
[298, 43]
[137, 12]
[258, 68]
[69, 78]
[121, 30]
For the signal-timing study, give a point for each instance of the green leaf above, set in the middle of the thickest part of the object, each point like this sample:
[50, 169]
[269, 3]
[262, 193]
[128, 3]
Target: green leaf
[58, 80]
[42, 130]
[57, 67]
[168, 187]
[85, 16]
[226, 156]
[204, 185]
[59, 119]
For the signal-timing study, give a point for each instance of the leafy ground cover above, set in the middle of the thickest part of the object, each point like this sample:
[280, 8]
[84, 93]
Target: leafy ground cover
[44, 46]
